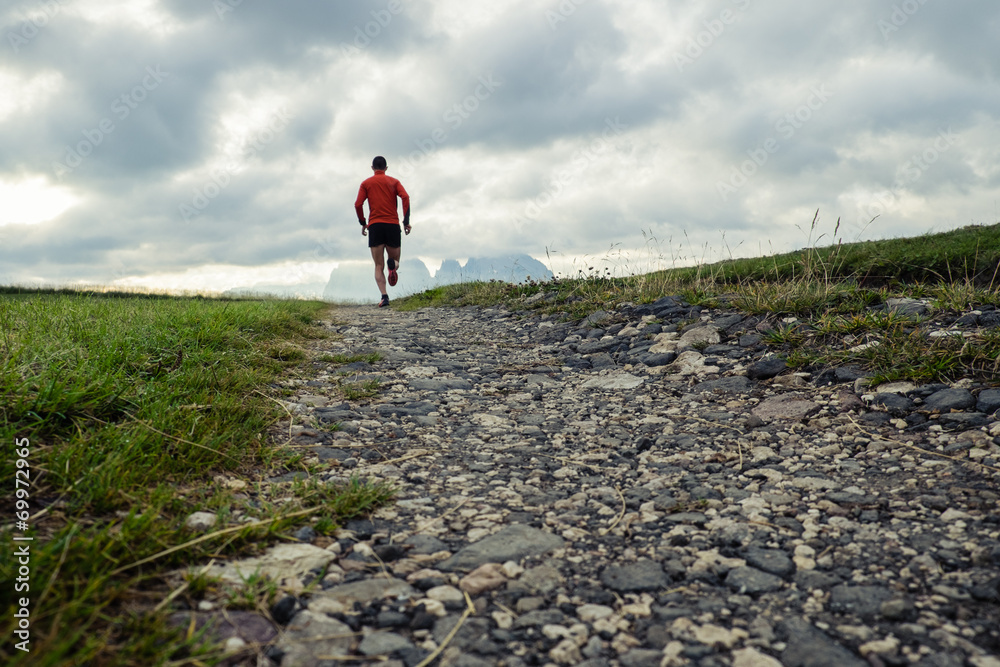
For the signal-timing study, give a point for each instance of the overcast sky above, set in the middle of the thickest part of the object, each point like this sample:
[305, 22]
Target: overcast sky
[209, 144]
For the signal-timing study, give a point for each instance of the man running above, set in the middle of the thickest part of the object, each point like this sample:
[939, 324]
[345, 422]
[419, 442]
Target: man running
[383, 222]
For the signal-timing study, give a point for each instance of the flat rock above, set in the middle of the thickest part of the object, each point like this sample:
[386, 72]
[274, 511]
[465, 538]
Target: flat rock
[751, 581]
[949, 399]
[511, 543]
[988, 401]
[366, 591]
[641, 576]
[311, 636]
[809, 647]
[784, 407]
[284, 560]
[735, 384]
[863, 601]
[772, 561]
[615, 381]
[767, 368]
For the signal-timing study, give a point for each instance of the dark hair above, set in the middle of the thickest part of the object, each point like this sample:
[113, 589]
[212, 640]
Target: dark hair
[379, 162]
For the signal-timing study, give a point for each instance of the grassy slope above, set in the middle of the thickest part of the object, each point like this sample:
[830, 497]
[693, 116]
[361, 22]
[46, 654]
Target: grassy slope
[132, 406]
[832, 291]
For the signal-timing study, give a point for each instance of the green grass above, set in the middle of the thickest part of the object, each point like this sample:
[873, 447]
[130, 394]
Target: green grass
[831, 289]
[132, 406]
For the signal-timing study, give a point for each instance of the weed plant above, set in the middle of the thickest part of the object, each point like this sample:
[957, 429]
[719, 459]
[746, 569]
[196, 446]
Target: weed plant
[132, 406]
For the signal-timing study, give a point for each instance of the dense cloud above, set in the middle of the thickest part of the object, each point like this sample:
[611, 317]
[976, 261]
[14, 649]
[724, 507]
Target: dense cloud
[184, 134]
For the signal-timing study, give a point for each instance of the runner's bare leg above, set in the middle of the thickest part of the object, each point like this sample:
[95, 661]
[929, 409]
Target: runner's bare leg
[378, 254]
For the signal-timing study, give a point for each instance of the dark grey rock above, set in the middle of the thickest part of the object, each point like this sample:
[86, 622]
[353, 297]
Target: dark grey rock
[391, 619]
[421, 408]
[425, 384]
[383, 643]
[809, 580]
[949, 399]
[638, 577]
[697, 518]
[849, 373]
[898, 610]
[808, 647]
[472, 630]
[595, 318]
[597, 346]
[601, 360]
[305, 534]
[896, 405]
[538, 618]
[512, 543]
[863, 601]
[425, 544]
[963, 421]
[656, 360]
[284, 610]
[736, 384]
[639, 657]
[751, 581]
[906, 307]
[770, 560]
[988, 401]
[248, 626]
[767, 368]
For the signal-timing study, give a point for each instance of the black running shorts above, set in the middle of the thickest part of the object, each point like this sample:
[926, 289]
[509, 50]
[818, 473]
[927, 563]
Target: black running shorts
[384, 233]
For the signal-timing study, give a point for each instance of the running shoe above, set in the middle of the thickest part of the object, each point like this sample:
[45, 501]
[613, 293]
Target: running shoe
[393, 278]
[384, 302]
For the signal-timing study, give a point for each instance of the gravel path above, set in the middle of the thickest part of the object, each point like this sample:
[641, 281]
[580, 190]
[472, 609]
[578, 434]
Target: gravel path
[649, 487]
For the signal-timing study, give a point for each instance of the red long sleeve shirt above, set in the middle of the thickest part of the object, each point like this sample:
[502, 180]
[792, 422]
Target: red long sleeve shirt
[381, 192]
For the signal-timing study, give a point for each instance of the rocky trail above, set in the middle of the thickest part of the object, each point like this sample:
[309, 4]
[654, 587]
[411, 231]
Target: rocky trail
[649, 487]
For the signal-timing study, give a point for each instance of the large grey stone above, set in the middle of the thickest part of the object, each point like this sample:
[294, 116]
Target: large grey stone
[642, 576]
[949, 399]
[367, 590]
[383, 643]
[988, 401]
[512, 543]
[424, 384]
[863, 601]
[772, 561]
[737, 384]
[310, 636]
[418, 408]
[751, 581]
[767, 368]
[284, 560]
[894, 403]
[785, 406]
[906, 306]
[614, 381]
[808, 647]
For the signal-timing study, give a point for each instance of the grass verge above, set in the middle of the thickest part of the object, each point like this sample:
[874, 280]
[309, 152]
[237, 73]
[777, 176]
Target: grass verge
[131, 408]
